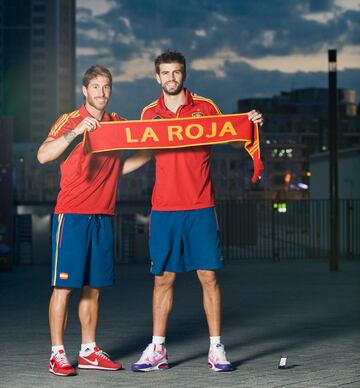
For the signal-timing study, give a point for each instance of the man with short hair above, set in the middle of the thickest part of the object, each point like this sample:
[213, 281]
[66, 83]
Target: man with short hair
[184, 233]
[82, 247]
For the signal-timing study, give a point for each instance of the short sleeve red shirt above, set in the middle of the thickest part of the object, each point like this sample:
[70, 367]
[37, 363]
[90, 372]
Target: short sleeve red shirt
[183, 180]
[88, 183]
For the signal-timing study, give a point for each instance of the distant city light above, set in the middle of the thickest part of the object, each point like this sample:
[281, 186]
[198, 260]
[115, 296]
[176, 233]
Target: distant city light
[308, 173]
[287, 178]
[280, 207]
[303, 186]
[283, 152]
[289, 152]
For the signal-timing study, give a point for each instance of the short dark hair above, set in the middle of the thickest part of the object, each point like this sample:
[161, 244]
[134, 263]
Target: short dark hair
[95, 71]
[170, 57]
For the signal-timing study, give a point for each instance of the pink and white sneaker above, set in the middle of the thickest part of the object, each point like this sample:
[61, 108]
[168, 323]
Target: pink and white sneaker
[217, 359]
[98, 360]
[59, 364]
[151, 359]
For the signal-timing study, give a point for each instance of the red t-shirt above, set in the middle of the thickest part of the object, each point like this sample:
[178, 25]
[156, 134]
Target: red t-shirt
[183, 180]
[88, 183]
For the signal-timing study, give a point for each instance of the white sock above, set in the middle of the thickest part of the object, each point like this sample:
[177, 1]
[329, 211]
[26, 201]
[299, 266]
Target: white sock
[56, 348]
[158, 341]
[87, 348]
[215, 340]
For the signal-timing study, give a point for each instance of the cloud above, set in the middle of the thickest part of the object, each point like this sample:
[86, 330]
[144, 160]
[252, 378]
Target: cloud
[243, 81]
[134, 69]
[348, 57]
[97, 7]
[201, 33]
[346, 5]
[254, 29]
[233, 48]
[91, 52]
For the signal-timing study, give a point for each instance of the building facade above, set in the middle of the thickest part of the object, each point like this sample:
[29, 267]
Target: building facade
[296, 126]
[37, 64]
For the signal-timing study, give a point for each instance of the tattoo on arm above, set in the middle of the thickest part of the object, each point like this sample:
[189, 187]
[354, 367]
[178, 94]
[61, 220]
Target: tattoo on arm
[69, 136]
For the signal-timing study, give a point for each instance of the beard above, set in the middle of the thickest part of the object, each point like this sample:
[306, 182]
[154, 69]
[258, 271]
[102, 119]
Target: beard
[97, 104]
[173, 91]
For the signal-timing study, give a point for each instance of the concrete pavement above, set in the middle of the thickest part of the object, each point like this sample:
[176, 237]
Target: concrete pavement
[293, 308]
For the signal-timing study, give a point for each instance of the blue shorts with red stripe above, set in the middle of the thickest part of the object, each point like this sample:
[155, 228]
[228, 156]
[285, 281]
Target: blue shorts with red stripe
[82, 250]
[185, 240]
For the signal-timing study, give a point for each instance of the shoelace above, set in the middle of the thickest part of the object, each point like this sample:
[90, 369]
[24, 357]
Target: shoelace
[220, 354]
[102, 354]
[146, 353]
[150, 353]
[61, 359]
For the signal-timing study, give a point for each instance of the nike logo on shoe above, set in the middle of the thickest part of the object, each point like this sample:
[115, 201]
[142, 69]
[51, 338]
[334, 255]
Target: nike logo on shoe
[158, 359]
[95, 362]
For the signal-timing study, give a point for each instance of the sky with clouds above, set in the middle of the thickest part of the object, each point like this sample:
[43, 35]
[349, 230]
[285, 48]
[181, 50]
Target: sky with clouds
[234, 48]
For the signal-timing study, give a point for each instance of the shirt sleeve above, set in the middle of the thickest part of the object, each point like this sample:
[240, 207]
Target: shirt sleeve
[116, 117]
[62, 125]
[213, 108]
[146, 114]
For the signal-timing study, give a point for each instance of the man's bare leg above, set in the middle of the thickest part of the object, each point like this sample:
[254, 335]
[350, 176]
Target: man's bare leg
[211, 300]
[217, 360]
[88, 313]
[162, 302]
[58, 308]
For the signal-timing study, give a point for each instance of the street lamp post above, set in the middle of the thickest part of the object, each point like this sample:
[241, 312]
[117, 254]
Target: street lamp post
[333, 163]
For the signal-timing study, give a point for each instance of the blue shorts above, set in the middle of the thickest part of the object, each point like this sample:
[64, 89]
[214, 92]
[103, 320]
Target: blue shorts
[184, 241]
[82, 250]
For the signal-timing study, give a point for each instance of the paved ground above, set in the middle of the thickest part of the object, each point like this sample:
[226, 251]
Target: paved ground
[293, 308]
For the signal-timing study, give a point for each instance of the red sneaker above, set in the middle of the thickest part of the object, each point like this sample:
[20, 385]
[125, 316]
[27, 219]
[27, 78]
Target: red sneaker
[98, 360]
[60, 365]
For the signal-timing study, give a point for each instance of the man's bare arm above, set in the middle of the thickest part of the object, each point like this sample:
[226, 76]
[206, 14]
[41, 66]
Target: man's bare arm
[51, 148]
[135, 161]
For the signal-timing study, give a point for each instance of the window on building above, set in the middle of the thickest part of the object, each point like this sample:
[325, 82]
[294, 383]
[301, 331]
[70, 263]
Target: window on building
[38, 68]
[37, 116]
[38, 55]
[279, 166]
[39, 8]
[37, 79]
[38, 32]
[36, 43]
[38, 103]
[38, 91]
[38, 20]
[278, 180]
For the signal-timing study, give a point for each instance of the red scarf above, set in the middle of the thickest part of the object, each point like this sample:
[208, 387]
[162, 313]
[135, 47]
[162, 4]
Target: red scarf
[177, 133]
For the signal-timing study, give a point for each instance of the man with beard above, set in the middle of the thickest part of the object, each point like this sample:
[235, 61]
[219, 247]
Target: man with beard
[184, 233]
[82, 248]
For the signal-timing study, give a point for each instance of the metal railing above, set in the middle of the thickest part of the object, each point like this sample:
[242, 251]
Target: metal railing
[249, 229]
[296, 229]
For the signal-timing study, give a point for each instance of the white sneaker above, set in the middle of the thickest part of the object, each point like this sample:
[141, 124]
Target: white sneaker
[217, 359]
[151, 359]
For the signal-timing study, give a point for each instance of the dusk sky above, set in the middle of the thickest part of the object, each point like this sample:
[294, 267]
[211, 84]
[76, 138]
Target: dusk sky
[234, 48]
